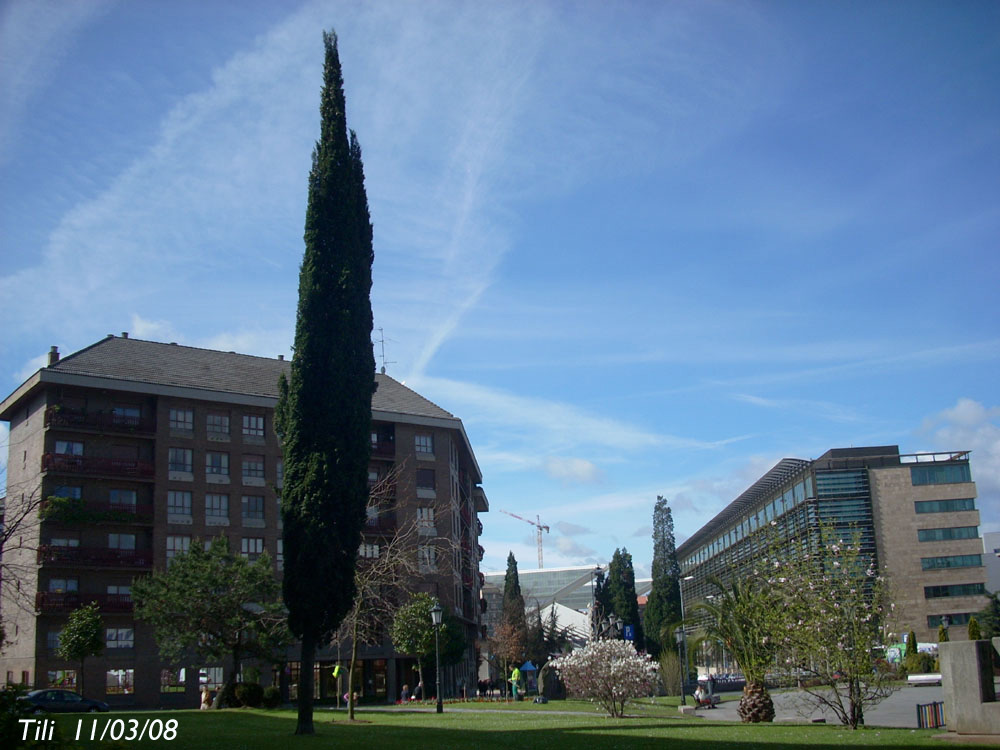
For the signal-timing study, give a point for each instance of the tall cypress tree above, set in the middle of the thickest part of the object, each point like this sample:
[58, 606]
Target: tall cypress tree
[323, 416]
[621, 585]
[513, 601]
[663, 607]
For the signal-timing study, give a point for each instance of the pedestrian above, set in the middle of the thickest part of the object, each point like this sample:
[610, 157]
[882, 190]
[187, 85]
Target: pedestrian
[206, 698]
[515, 683]
[405, 696]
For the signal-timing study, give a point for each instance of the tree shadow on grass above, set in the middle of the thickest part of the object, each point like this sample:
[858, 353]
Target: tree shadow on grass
[249, 730]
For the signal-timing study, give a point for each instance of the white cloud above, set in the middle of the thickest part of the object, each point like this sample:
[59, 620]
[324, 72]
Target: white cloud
[572, 470]
[34, 37]
[570, 529]
[31, 367]
[973, 426]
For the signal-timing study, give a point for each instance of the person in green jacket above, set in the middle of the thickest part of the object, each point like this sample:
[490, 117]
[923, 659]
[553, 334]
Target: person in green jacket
[515, 681]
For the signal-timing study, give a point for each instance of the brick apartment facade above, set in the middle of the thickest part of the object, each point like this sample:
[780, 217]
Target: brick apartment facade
[166, 446]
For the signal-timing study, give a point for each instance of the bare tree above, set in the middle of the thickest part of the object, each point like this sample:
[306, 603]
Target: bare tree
[384, 575]
[20, 522]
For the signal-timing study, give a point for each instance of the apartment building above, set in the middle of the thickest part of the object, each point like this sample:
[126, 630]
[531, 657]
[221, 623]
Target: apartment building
[157, 447]
[915, 513]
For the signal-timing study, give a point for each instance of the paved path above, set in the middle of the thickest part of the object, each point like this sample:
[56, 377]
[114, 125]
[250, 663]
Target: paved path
[898, 710]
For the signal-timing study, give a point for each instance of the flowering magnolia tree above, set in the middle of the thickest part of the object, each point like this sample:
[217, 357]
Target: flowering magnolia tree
[609, 672]
[837, 613]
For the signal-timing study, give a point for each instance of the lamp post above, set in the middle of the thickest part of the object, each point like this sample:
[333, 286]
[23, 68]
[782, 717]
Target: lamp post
[436, 616]
[682, 639]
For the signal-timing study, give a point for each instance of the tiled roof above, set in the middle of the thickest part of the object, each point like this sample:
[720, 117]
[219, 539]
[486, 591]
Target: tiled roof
[134, 360]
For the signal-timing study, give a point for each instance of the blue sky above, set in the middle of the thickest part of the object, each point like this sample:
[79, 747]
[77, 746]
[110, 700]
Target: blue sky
[639, 248]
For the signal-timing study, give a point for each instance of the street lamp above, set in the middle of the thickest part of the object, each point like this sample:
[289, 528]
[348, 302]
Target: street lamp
[682, 639]
[436, 616]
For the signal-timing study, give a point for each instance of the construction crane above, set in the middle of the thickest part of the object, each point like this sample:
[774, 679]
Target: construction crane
[537, 523]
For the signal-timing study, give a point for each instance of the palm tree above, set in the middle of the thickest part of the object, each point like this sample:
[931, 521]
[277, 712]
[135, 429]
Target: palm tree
[743, 616]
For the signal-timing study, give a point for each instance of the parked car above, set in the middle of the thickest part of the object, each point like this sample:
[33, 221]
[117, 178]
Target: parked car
[60, 701]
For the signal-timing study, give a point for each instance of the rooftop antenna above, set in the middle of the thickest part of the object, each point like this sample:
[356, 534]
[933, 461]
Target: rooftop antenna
[381, 341]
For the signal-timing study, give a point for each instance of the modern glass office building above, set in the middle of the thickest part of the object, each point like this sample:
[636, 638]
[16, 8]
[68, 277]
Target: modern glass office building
[915, 513]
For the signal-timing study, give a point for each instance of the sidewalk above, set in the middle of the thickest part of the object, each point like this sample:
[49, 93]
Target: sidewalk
[898, 710]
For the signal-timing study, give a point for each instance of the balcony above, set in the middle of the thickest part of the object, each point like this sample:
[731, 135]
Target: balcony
[101, 557]
[383, 523]
[116, 467]
[70, 511]
[101, 421]
[51, 601]
[384, 448]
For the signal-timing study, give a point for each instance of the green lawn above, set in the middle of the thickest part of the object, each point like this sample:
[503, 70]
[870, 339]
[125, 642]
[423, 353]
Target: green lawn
[491, 726]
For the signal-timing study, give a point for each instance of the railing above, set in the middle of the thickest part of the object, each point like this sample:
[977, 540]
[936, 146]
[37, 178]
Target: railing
[67, 601]
[384, 522]
[59, 416]
[385, 448]
[129, 467]
[96, 512]
[98, 556]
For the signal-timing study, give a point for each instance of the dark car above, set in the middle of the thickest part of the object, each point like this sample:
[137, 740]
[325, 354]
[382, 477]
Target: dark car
[60, 701]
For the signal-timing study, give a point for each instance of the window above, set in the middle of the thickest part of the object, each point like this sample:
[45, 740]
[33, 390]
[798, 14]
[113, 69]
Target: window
[368, 550]
[118, 589]
[944, 506]
[959, 618]
[216, 506]
[280, 559]
[69, 448]
[956, 589]
[946, 535]
[73, 493]
[120, 682]
[122, 499]
[210, 677]
[252, 547]
[253, 425]
[423, 444]
[179, 459]
[427, 558]
[253, 467]
[946, 474]
[64, 542]
[64, 585]
[425, 521]
[121, 541]
[253, 508]
[425, 479]
[280, 474]
[52, 639]
[172, 680]
[217, 463]
[217, 425]
[119, 638]
[951, 561]
[182, 419]
[58, 678]
[177, 545]
[178, 503]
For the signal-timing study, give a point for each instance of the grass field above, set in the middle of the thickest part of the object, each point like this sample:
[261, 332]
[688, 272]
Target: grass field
[569, 724]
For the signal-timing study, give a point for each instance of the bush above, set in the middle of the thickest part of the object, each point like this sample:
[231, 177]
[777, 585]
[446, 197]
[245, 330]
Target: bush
[271, 697]
[230, 699]
[250, 694]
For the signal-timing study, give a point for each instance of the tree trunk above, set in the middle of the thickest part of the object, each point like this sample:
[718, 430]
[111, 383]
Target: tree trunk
[229, 686]
[420, 676]
[350, 673]
[306, 680]
[81, 679]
